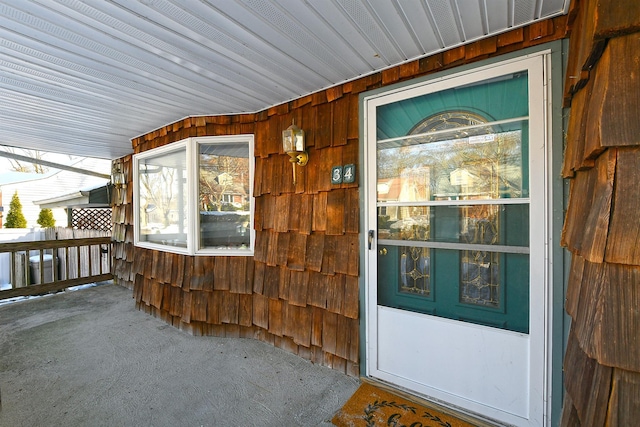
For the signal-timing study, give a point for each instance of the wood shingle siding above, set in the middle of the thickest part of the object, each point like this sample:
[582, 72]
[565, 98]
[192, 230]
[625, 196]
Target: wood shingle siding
[602, 225]
[300, 290]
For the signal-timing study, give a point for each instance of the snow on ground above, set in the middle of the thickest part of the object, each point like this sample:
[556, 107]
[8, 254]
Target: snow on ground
[7, 286]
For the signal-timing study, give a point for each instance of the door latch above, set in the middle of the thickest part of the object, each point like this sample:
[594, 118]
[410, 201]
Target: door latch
[371, 236]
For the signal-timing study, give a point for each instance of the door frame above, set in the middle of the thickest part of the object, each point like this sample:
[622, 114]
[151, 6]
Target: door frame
[549, 301]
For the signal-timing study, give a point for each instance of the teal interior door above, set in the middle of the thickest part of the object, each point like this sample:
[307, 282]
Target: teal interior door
[472, 284]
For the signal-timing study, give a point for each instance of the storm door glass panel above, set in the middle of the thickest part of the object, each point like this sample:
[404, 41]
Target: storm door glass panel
[453, 203]
[224, 195]
[163, 195]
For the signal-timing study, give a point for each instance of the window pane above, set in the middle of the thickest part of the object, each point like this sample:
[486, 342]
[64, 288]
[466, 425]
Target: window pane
[224, 195]
[163, 197]
[505, 224]
[488, 166]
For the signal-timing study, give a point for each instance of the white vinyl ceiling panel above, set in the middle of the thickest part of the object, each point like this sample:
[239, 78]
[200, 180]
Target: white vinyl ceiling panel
[473, 20]
[84, 77]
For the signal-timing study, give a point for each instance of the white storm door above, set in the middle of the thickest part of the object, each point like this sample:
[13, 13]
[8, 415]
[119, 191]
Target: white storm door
[455, 200]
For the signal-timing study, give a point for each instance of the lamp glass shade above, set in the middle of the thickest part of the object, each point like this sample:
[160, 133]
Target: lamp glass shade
[117, 176]
[287, 141]
[299, 140]
[292, 139]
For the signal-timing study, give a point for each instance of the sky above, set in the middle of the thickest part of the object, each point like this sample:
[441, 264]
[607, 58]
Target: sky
[8, 175]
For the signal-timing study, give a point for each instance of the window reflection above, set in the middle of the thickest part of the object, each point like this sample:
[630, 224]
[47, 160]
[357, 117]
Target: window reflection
[163, 192]
[224, 195]
[487, 167]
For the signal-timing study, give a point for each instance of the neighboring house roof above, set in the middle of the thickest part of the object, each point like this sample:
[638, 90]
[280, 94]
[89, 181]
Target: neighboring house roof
[96, 196]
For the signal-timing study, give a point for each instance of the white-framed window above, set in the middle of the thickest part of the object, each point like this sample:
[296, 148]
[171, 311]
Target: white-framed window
[195, 196]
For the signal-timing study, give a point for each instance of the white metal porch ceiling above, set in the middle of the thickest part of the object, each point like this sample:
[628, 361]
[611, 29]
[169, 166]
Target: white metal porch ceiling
[84, 77]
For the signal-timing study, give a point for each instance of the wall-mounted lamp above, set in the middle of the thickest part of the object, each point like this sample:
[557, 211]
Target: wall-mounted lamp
[293, 145]
[117, 177]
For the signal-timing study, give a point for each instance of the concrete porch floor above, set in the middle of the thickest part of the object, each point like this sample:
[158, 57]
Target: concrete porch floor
[89, 358]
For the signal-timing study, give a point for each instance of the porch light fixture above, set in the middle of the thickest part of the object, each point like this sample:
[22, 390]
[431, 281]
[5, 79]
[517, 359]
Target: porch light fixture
[293, 145]
[117, 177]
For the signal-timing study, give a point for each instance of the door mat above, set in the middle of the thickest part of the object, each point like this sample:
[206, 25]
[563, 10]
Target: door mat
[372, 406]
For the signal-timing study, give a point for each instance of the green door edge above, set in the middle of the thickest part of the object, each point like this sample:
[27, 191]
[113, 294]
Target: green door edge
[560, 257]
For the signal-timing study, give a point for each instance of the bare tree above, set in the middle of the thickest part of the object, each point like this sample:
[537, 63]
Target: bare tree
[158, 191]
[219, 176]
[19, 166]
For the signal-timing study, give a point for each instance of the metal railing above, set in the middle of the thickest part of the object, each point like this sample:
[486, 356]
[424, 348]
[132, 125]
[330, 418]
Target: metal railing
[50, 265]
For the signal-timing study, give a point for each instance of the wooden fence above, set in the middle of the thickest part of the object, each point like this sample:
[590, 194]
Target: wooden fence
[66, 258]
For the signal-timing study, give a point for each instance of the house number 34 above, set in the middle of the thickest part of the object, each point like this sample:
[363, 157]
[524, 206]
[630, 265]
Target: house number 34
[343, 174]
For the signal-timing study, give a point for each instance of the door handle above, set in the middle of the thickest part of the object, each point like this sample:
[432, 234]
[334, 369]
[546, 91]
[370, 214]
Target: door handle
[371, 236]
[383, 251]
